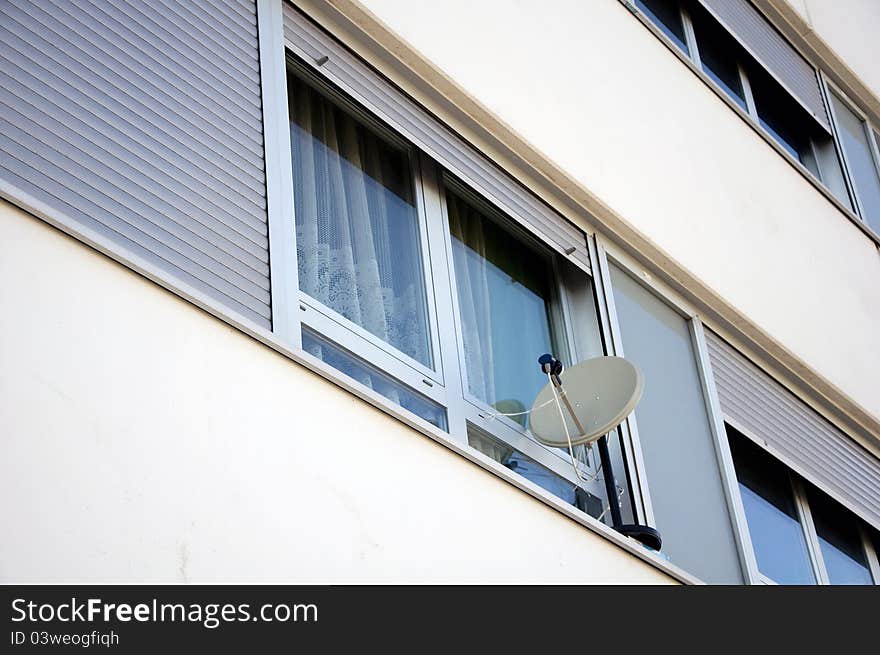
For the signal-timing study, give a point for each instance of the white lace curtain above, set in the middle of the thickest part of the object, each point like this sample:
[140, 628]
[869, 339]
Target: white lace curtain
[472, 283]
[503, 296]
[358, 249]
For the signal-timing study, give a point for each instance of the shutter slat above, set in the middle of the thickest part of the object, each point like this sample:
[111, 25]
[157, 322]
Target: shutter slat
[97, 52]
[773, 52]
[157, 42]
[60, 92]
[123, 89]
[423, 130]
[148, 133]
[793, 432]
[102, 197]
[139, 166]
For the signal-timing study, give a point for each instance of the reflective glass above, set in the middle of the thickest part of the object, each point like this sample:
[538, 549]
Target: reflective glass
[863, 169]
[777, 536]
[783, 118]
[371, 377]
[839, 540]
[666, 15]
[719, 54]
[540, 475]
[504, 297]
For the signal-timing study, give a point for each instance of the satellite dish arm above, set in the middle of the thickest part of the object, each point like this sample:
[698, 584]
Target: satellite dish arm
[553, 367]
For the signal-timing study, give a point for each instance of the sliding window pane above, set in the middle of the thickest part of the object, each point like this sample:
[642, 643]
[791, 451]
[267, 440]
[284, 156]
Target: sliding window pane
[540, 475]
[784, 118]
[839, 540]
[687, 492]
[357, 228]
[666, 15]
[719, 55]
[777, 536]
[863, 168]
[374, 379]
[504, 297]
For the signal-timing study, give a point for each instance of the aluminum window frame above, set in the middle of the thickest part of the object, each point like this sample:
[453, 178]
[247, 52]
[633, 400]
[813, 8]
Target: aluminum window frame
[693, 62]
[477, 412]
[805, 519]
[628, 431]
[829, 88]
[352, 336]
[715, 417]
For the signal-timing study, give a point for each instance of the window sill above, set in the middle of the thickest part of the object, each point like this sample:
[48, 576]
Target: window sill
[800, 168]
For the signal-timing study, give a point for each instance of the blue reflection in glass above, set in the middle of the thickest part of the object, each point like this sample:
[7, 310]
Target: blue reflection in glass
[665, 14]
[777, 536]
[374, 379]
[839, 540]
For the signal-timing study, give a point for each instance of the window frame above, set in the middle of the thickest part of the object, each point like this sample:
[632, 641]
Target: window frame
[829, 88]
[324, 320]
[692, 61]
[805, 518]
[475, 411]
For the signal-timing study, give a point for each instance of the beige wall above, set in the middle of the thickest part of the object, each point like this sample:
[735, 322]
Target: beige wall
[144, 440]
[594, 90]
[850, 27]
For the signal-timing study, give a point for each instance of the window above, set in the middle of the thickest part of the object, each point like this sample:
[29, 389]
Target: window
[563, 488]
[686, 489]
[367, 375]
[359, 249]
[665, 15]
[515, 300]
[860, 145]
[414, 286]
[840, 540]
[720, 56]
[506, 307]
[750, 86]
[774, 524]
[799, 534]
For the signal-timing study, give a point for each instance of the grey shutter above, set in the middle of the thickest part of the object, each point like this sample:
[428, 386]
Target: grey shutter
[795, 434]
[345, 70]
[141, 121]
[773, 51]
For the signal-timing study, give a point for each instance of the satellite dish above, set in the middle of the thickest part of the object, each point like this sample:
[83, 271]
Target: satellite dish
[600, 393]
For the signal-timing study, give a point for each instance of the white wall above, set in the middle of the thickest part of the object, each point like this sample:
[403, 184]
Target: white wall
[145, 441]
[850, 27]
[595, 91]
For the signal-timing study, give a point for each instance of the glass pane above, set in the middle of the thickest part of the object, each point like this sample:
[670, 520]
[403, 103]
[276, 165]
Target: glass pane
[374, 379]
[357, 229]
[777, 537]
[719, 53]
[830, 167]
[504, 296]
[540, 475]
[840, 541]
[687, 492]
[666, 15]
[783, 118]
[854, 138]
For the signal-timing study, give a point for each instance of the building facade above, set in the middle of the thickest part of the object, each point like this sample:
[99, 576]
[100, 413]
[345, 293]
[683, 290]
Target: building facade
[276, 276]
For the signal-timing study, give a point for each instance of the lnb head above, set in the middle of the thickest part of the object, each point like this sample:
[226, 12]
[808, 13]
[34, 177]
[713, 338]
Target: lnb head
[550, 365]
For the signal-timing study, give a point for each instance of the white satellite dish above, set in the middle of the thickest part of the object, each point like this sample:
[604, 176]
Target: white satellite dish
[598, 395]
